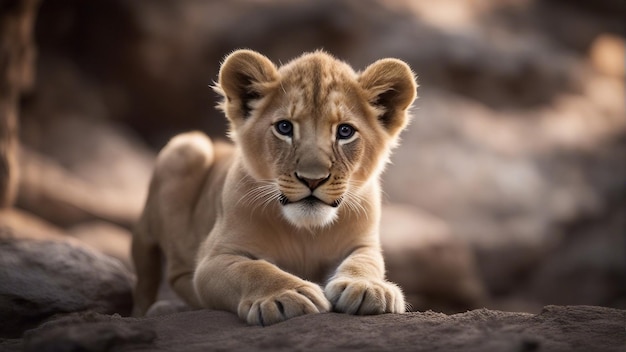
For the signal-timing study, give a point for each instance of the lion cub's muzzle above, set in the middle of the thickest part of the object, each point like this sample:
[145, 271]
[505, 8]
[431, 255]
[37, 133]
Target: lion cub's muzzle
[312, 200]
[313, 186]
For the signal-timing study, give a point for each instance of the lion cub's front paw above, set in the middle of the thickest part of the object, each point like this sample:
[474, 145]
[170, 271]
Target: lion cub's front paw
[284, 304]
[363, 296]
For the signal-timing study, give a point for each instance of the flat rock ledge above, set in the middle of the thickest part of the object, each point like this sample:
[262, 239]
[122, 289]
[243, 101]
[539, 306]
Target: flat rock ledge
[556, 328]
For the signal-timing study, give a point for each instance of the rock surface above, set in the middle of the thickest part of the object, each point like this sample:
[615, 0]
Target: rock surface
[41, 278]
[556, 328]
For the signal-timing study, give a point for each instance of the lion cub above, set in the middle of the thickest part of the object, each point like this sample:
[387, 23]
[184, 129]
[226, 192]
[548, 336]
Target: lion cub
[286, 221]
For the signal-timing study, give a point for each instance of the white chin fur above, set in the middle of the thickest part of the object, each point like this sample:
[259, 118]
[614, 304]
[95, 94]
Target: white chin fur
[309, 216]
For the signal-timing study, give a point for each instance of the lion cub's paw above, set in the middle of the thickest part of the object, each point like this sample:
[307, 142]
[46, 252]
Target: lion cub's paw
[283, 305]
[363, 296]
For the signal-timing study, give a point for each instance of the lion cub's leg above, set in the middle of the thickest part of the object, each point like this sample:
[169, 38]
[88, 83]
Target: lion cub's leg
[359, 286]
[179, 175]
[147, 260]
[257, 290]
[183, 286]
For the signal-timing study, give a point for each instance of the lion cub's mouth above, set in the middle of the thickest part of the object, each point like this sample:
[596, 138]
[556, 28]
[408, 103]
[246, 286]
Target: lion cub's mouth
[310, 200]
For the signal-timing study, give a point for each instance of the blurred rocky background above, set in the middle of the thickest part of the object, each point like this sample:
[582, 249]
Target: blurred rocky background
[508, 191]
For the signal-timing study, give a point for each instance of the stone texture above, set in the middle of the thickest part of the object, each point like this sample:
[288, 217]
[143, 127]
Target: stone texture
[556, 328]
[41, 278]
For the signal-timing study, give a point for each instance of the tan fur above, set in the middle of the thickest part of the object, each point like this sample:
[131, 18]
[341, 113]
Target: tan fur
[257, 227]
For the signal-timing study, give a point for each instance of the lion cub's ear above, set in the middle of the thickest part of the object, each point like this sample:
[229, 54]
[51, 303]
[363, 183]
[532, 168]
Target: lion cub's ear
[390, 86]
[245, 76]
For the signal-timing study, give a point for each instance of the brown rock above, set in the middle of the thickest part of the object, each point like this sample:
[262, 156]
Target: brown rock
[17, 55]
[556, 328]
[105, 237]
[607, 55]
[510, 182]
[16, 223]
[52, 192]
[41, 278]
[435, 270]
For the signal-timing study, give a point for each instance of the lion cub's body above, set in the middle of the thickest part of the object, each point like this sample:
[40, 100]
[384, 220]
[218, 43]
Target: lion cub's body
[285, 222]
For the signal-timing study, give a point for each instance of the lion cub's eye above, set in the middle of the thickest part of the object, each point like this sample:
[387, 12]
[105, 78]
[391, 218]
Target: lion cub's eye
[284, 127]
[345, 131]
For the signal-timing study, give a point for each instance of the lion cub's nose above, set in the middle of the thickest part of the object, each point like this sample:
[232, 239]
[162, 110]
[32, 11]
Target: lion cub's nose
[312, 183]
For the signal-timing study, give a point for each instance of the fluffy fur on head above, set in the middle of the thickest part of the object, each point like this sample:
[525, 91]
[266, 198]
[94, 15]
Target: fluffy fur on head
[315, 94]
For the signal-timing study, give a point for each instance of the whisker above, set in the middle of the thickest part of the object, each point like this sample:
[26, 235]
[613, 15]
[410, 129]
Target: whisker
[260, 191]
[355, 201]
[271, 197]
[261, 196]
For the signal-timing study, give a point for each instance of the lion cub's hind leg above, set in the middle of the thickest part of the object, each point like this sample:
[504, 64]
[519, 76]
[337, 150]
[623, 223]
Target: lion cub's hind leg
[164, 226]
[147, 260]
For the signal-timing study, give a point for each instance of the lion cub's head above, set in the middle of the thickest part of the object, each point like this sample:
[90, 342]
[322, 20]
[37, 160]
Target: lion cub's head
[313, 132]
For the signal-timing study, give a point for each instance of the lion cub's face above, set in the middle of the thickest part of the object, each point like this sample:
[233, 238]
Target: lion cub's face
[314, 133]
